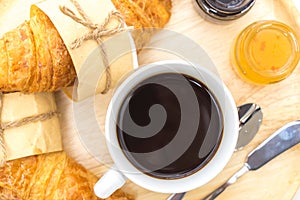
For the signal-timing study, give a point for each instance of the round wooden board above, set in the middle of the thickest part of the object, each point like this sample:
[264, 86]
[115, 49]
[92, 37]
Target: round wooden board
[280, 103]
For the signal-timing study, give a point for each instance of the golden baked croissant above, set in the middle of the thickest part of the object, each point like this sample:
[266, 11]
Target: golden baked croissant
[52, 176]
[33, 57]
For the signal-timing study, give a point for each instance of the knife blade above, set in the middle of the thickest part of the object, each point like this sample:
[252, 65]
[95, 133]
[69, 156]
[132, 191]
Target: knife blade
[283, 139]
[280, 141]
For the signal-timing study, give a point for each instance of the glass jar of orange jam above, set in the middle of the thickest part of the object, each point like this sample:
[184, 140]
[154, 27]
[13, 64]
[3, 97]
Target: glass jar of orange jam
[265, 52]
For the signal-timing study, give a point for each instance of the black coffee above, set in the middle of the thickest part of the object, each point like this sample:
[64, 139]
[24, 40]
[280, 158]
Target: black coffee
[169, 126]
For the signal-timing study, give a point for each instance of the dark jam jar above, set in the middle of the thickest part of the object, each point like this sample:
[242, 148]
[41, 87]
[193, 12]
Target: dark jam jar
[224, 10]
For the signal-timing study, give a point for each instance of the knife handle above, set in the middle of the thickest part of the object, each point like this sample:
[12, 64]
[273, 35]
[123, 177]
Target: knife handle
[230, 181]
[283, 139]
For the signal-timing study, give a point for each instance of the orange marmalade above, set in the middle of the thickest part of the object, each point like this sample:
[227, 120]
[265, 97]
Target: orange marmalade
[266, 52]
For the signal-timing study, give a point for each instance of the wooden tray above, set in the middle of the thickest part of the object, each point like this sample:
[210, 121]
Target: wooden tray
[280, 103]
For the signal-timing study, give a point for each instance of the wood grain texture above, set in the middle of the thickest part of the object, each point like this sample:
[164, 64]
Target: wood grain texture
[280, 103]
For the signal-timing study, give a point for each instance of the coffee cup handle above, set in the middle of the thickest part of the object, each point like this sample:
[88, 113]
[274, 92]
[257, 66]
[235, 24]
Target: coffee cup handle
[109, 183]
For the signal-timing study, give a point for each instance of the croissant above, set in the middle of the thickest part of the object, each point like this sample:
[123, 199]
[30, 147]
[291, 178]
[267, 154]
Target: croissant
[33, 57]
[49, 176]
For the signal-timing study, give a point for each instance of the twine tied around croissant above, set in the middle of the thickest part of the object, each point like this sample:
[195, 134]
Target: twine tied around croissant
[97, 31]
[18, 123]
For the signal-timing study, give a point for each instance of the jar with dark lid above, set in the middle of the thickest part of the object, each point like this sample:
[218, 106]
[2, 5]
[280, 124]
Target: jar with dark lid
[224, 10]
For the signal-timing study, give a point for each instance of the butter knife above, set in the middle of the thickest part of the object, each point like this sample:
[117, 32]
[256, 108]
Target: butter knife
[283, 139]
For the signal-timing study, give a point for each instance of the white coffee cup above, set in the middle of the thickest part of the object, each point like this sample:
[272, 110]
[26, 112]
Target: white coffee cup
[124, 169]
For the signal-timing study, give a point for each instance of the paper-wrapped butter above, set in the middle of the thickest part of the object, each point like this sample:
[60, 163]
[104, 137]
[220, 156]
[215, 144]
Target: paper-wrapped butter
[87, 58]
[30, 125]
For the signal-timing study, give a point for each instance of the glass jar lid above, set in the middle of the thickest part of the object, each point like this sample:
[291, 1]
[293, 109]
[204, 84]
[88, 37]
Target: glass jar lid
[266, 52]
[225, 9]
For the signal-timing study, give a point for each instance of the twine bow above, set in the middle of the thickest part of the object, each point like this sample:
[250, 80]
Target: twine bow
[97, 31]
[15, 124]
